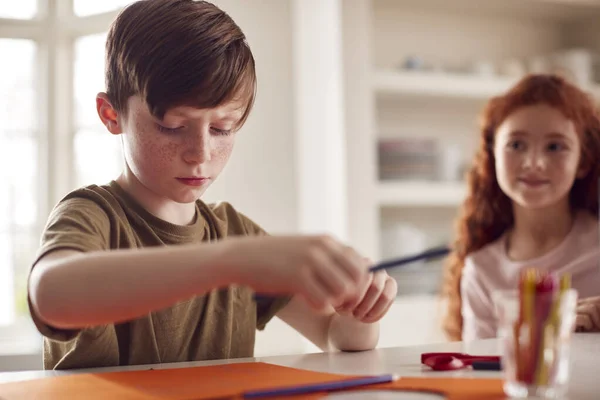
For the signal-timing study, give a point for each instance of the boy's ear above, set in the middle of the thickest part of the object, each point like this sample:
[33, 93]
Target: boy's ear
[108, 115]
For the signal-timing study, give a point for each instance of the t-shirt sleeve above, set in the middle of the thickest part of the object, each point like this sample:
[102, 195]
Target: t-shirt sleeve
[477, 306]
[267, 307]
[74, 224]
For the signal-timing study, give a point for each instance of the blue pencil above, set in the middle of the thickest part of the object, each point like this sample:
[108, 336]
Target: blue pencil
[320, 387]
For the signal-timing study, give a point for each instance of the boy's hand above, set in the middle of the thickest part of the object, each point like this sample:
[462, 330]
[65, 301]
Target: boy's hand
[319, 268]
[588, 315]
[373, 301]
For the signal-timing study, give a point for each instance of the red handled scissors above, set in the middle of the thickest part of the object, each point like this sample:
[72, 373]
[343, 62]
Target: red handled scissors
[454, 361]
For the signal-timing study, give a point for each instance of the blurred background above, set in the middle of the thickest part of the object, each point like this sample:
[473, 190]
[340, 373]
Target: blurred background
[365, 121]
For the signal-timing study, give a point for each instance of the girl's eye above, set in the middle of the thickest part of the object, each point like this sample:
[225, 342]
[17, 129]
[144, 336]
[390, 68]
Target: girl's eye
[556, 147]
[221, 132]
[516, 145]
[165, 129]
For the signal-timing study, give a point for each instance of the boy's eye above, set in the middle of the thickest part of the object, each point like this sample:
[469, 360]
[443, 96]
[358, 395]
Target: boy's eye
[221, 132]
[165, 129]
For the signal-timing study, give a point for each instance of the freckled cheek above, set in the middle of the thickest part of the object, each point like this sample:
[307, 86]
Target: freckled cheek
[222, 151]
[154, 153]
[165, 152]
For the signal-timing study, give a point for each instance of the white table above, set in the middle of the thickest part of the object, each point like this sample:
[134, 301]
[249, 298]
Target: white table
[405, 361]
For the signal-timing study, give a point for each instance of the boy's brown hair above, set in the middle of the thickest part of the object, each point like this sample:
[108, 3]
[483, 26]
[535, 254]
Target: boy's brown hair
[178, 52]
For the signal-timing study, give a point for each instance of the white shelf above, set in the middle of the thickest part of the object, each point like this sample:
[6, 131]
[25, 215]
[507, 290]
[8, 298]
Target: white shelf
[447, 85]
[418, 83]
[421, 194]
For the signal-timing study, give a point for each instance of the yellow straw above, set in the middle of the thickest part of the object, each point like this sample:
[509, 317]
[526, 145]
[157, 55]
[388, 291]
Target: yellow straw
[551, 329]
[529, 293]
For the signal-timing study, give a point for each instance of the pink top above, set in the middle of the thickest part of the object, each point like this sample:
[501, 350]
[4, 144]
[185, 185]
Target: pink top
[489, 269]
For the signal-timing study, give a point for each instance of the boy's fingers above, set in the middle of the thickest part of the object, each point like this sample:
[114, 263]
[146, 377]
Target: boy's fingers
[371, 296]
[588, 317]
[343, 257]
[357, 266]
[312, 291]
[595, 315]
[583, 323]
[592, 313]
[385, 301]
[354, 264]
[329, 277]
[589, 300]
[354, 301]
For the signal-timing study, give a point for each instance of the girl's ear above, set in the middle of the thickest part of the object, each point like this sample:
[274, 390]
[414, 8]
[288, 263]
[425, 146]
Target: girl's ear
[584, 168]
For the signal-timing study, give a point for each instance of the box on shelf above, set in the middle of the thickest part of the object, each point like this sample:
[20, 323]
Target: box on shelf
[419, 159]
[408, 159]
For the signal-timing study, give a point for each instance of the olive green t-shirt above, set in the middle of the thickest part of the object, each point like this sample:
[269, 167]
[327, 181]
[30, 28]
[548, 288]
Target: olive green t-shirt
[220, 324]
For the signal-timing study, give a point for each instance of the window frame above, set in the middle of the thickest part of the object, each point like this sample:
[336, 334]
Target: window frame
[54, 30]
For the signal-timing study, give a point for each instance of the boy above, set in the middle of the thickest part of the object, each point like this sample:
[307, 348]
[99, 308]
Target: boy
[137, 271]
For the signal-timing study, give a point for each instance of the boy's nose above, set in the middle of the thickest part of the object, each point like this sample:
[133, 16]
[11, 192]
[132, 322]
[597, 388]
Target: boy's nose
[198, 149]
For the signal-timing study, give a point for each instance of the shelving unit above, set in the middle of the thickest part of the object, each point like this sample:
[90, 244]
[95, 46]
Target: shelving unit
[385, 101]
[442, 101]
[390, 85]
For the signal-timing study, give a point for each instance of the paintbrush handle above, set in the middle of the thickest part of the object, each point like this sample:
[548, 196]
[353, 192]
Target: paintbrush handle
[426, 255]
[319, 387]
[398, 262]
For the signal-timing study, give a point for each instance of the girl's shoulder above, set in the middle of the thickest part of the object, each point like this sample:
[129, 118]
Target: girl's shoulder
[585, 236]
[588, 225]
[490, 254]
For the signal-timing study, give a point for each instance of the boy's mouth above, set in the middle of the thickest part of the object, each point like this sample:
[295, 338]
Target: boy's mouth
[194, 181]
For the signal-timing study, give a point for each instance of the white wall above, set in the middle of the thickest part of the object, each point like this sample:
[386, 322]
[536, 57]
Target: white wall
[260, 179]
[360, 127]
[402, 31]
[319, 115]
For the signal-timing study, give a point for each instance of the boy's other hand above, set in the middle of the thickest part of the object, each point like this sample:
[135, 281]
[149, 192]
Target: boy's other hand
[373, 301]
[588, 315]
[319, 268]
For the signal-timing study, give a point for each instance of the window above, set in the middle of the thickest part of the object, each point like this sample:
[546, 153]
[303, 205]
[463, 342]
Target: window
[18, 166]
[86, 7]
[44, 138]
[22, 9]
[97, 152]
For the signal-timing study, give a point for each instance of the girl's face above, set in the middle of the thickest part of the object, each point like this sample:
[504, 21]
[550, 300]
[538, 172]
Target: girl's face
[537, 153]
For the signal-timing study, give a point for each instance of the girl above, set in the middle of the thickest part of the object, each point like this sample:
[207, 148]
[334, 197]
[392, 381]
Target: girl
[532, 201]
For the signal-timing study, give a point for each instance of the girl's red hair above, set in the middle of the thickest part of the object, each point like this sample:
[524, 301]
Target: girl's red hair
[487, 212]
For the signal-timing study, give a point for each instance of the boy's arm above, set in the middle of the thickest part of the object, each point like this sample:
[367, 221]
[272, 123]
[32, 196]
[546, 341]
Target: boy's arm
[329, 330]
[69, 289]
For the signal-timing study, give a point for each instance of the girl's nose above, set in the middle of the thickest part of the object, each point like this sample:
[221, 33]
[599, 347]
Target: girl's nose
[535, 160]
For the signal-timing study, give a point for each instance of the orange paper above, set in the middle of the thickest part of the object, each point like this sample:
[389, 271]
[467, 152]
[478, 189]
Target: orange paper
[222, 381]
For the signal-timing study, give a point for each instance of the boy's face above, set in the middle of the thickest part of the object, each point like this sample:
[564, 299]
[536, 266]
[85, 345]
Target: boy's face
[179, 156]
[537, 153]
